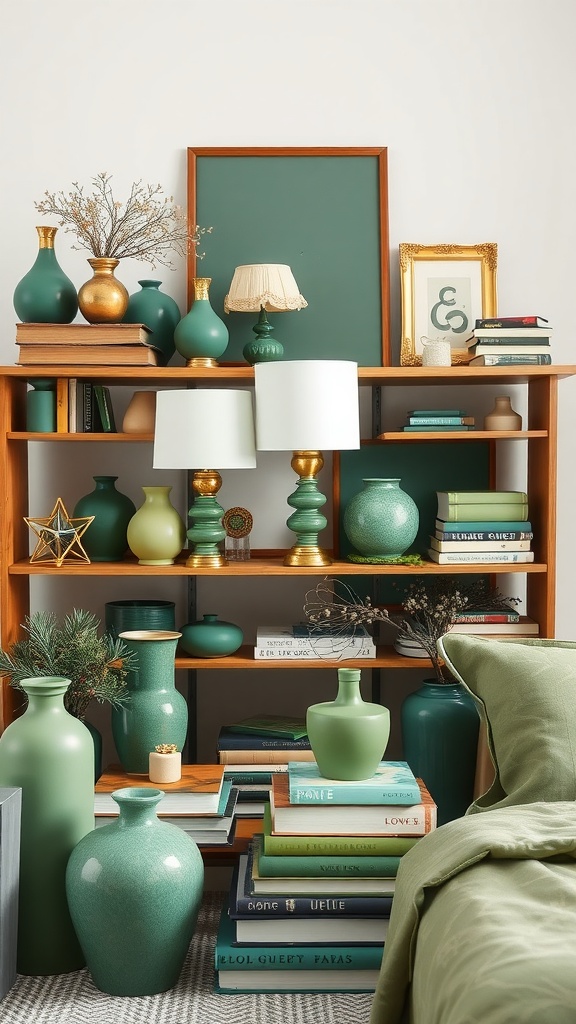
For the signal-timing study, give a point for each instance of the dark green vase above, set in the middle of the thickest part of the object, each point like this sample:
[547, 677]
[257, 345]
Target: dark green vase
[201, 336]
[440, 725]
[105, 539]
[120, 616]
[159, 312]
[211, 637]
[134, 890]
[45, 295]
[41, 407]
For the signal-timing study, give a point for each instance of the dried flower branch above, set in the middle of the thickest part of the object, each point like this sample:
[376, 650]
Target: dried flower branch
[166, 748]
[147, 227]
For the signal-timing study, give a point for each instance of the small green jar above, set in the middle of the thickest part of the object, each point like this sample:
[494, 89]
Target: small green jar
[348, 735]
[211, 637]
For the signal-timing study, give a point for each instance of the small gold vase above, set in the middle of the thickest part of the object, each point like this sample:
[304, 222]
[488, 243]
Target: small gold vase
[103, 299]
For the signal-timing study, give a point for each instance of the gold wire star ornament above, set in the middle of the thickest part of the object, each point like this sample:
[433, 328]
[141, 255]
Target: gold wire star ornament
[58, 536]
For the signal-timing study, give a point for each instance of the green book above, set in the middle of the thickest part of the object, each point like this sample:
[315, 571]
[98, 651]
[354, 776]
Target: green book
[436, 412]
[493, 525]
[393, 783]
[439, 428]
[487, 505]
[337, 846]
[280, 866]
[272, 725]
[105, 410]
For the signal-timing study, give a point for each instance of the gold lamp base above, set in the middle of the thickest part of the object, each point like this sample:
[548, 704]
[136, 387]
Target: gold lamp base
[205, 561]
[299, 556]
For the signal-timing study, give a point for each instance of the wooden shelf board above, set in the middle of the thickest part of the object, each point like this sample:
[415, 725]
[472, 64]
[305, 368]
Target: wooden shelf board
[386, 657]
[454, 435]
[14, 435]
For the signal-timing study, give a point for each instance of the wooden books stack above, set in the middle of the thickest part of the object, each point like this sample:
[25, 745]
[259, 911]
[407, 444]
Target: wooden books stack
[80, 344]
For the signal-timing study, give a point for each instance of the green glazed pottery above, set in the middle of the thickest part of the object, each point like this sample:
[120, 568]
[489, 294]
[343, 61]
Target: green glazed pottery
[201, 336]
[41, 407]
[348, 735]
[160, 312]
[156, 533]
[139, 614]
[381, 519]
[106, 538]
[134, 889]
[45, 295]
[211, 637]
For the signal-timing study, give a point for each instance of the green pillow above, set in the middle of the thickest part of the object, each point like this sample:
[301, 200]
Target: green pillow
[527, 691]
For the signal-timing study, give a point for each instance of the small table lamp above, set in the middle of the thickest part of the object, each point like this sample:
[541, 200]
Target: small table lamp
[204, 428]
[303, 406]
[263, 287]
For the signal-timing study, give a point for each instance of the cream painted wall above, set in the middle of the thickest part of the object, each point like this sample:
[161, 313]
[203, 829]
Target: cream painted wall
[475, 101]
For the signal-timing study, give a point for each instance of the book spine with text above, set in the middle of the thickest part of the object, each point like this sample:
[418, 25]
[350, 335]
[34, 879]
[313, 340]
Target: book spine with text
[231, 956]
[440, 421]
[487, 557]
[335, 651]
[536, 359]
[327, 867]
[510, 616]
[492, 322]
[462, 526]
[251, 741]
[265, 757]
[483, 536]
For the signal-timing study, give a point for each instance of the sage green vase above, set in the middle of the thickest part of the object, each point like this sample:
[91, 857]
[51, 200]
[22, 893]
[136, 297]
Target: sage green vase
[50, 755]
[156, 533]
[106, 538]
[46, 295]
[348, 735]
[160, 312]
[156, 712]
[381, 520]
[134, 890]
[211, 637]
[201, 336]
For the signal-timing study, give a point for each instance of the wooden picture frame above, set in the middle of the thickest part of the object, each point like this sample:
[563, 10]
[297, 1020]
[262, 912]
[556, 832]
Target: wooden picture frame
[324, 212]
[444, 289]
[10, 816]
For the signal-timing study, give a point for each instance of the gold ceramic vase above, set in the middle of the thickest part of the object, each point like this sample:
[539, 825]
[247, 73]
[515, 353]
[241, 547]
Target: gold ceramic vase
[103, 299]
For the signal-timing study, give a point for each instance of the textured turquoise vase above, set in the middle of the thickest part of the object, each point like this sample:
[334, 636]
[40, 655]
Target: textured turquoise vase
[41, 407]
[348, 735]
[50, 755]
[134, 890]
[106, 538]
[45, 295]
[201, 334]
[160, 312]
[156, 533]
[211, 637]
[381, 520]
[156, 712]
[440, 725]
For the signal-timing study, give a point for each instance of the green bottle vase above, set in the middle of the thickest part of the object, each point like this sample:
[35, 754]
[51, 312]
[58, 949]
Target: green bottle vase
[156, 712]
[440, 726]
[211, 637]
[41, 407]
[106, 538]
[50, 755]
[160, 312]
[381, 520]
[134, 890]
[156, 533]
[45, 295]
[348, 735]
[201, 336]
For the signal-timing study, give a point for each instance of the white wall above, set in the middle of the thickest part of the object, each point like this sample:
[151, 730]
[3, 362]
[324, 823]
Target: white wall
[473, 98]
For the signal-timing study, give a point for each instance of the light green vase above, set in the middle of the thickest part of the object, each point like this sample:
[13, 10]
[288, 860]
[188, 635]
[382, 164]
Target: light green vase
[348, 735]
[156, 533]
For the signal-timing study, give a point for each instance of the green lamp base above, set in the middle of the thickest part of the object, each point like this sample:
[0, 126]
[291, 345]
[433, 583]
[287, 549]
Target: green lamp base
[264, 349]
[307, 521]
[206, 515]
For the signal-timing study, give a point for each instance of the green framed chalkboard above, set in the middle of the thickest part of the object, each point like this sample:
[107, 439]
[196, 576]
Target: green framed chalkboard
[322, 211]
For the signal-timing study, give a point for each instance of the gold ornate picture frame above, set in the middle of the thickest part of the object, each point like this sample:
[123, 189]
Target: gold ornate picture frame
[444, 289]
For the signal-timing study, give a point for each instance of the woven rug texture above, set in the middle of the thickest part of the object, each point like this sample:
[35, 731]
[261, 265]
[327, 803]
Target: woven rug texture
[73, 998]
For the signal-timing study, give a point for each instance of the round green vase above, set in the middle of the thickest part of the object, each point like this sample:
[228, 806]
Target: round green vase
[50, 755]
[381, 520]
[440, 726]
[106, 538]
[45, 295]
[201, 336]
[41, 407]
[156, 712]
[156, 533]
[211, 637]
[159, 312]
[348, 735]
[134, 890]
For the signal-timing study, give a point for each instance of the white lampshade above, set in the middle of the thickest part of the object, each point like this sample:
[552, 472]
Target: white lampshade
[307, 405]
[204, 429]
[263, 285]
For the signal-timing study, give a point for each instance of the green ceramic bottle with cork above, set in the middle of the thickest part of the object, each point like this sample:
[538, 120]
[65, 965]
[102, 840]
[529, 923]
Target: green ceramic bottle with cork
[348, 735]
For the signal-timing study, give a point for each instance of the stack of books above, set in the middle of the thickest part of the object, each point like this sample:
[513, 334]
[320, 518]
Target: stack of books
[481, 526]
[430, 420]
[85, 345]
[317, 885]
[510, 341]
[90, 408]
[202, 802]
[304, 641]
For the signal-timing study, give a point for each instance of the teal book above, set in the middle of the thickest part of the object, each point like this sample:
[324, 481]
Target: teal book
[281, 726]
[521, 526]
[436, 412]
[393, 783]
[440, 421]
[321, 867]
[438, 427]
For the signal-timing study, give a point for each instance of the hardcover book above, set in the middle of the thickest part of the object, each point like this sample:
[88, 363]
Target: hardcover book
[489, 505]
[492, 322]
[332, 845]
[305, 637]
[486, 557]
[479, 545]
[213, 830]
[524, 626]
[361, 881]
[460, 526]
[334, 649]
[483, 536]
[86, 355]
[197, 792]
[327, 868]
[522, 359]
[230, 739]
[281, 726]
[440, 421]
[508, 348]
[84, 334]
[480, 616]
[392, 783]
[105, 409]
[436, 412]
[524, 334]
[264, 757]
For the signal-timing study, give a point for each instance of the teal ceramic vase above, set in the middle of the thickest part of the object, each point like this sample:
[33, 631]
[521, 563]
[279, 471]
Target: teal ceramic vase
[45, 295]
[41, 407]
[134, 890]
[156, 712]
[50, 755]
[160, 312]
[381, 520]
[348, 735]
[440, 726]
[211, 637]
[106, 539]
[140, 613]
[156, 533]
[201, 336]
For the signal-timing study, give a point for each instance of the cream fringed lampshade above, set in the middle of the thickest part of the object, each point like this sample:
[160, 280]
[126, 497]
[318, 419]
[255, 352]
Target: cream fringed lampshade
[263, 288]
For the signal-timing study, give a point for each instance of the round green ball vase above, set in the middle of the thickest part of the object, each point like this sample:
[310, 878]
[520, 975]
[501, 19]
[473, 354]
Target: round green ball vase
[106, 538]
[156, 533]
[348, 735]
[46, 295]
[201, 336]
[134, 889]
[160, 312]
[381, 520]
[41, 407]
[211, 637]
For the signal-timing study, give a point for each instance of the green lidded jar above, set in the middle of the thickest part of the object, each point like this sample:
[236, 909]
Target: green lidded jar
[348, 735]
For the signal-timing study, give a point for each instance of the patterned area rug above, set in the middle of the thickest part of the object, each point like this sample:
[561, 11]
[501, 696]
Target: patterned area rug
[73, 998]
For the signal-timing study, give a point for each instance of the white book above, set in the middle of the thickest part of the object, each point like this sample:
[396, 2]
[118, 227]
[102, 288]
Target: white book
[456, 557]
[333, 650]
[479, 545]
[280, 637]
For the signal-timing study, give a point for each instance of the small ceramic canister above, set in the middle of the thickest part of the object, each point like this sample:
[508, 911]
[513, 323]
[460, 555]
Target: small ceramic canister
[165, 764]
[436, 352]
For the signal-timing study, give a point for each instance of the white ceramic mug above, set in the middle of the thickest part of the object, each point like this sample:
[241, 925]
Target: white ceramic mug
[436, 352]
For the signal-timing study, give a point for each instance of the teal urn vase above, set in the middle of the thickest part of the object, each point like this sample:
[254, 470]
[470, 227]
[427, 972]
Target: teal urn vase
[134, 889]
[106, 538]
[211, 637]
[45, 295]
[440, 725]
[201, 336]
[156, 532]
[50, 755]
[381, 520]
[348, 735]
[41, 406]
[160, 312]
[156, 712]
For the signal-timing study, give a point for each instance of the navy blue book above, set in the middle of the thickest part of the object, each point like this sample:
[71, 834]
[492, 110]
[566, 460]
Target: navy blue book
[230, 739]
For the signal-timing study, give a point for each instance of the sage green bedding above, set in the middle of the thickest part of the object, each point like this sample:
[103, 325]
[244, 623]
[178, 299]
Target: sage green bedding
[483, 923]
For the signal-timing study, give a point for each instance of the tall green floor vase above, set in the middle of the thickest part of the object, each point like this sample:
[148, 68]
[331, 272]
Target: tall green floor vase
[348, 735]
[50, 755]
[156, 712]
[134, 890]
[440, 725]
